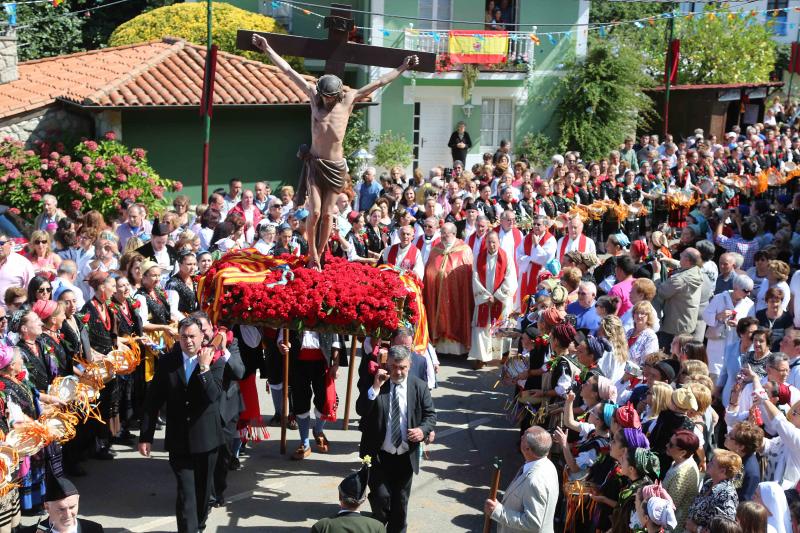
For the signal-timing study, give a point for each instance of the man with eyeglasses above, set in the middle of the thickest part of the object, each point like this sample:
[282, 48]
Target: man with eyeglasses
[275, 212]
[15, 270]
[50, 214]
[404, 254]
[537, 249]
[429, 238]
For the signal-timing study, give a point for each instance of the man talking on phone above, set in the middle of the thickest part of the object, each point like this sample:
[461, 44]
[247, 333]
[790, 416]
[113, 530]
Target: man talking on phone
[397, 414]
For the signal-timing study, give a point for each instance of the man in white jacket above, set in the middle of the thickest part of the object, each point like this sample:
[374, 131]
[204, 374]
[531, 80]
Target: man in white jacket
[529, 503]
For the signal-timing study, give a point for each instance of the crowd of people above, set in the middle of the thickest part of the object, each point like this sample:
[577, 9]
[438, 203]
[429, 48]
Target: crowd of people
[659, 350]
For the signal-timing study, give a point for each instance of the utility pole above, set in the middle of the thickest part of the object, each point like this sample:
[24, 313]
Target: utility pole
[208, 95]
[668, 80]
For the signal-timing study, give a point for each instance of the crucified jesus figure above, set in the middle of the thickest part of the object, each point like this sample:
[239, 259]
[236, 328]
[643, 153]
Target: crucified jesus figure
[324, 166]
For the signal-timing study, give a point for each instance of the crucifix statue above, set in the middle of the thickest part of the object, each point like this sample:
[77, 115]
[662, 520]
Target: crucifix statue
[324, 167]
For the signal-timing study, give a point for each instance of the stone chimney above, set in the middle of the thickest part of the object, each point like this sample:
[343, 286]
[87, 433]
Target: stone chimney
[8, 56]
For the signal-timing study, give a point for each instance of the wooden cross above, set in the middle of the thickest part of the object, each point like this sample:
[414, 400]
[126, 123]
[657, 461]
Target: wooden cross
[336, 50]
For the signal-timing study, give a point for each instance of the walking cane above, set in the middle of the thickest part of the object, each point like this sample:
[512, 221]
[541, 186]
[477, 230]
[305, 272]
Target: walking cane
[350, 371]
[285, 410]
[497, 463]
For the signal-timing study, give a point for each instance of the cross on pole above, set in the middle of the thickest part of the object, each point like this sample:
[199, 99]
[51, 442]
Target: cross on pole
[336, 50]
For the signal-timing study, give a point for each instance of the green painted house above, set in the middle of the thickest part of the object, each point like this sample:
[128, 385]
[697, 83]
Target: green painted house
[426, 107]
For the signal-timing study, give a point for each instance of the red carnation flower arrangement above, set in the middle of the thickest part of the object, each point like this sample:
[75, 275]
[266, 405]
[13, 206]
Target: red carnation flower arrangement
[345, 297]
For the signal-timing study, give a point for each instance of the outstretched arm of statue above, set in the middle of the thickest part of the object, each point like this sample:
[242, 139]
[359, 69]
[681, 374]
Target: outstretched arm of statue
[386, 79]
[260, 42]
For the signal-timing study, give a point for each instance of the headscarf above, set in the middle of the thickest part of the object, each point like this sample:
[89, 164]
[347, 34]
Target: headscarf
[608, 413]
[661, 513]
[16, 318]
[657, 490]
[564, 333]
[552, 316]
[627, 417]
[640, 248]
[622, 239]
[606, 390]
[646, 463]
[559, 294]
[784, 394]
[6, 355]
[700, 220]
[775, 500]
[45, 308]
[684, 400]
[634, 438]
[553, 266]
[598, 346]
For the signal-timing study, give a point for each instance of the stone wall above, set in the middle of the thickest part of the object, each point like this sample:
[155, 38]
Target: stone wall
[8, 57]
[50, 123]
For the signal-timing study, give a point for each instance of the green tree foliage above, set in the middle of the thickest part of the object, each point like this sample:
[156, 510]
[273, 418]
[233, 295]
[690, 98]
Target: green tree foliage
[603, 11]
[97, 29]
[392, 150]
[715, 48]
[601, 100]
[188, 21]
[537, 148]
[47, 30]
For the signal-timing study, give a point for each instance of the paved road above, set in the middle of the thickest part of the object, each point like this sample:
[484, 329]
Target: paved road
[273, 493]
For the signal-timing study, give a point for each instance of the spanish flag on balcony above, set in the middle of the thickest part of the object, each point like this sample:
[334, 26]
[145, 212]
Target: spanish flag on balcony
[485, 47]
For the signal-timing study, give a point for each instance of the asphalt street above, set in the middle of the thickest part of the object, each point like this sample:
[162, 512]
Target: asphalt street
[273, 493]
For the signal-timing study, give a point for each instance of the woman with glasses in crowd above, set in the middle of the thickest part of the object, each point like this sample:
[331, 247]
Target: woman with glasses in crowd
[180, 206]
[40, 253]
[39, 288]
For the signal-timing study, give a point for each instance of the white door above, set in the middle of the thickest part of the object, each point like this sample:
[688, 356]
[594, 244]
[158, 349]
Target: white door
[435, 127]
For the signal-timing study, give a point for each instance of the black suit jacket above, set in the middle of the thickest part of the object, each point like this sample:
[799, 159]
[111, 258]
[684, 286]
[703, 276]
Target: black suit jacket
[147, 251]
[375, 413]
[84, 526]
[194, 424]
[231, 404]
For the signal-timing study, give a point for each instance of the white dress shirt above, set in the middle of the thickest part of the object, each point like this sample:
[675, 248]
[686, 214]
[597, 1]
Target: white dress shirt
[402, 399]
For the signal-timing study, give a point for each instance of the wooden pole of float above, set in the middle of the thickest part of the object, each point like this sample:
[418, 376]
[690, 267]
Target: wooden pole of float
[285, 410]
[350, 372]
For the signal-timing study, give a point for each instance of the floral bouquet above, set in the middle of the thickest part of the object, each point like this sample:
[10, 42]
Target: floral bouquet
[247, 287]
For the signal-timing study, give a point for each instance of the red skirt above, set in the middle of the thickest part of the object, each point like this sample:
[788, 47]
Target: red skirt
[251, 426]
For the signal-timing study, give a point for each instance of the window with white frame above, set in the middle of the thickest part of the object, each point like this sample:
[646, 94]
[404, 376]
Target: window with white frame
[435, 9]
[497, 122]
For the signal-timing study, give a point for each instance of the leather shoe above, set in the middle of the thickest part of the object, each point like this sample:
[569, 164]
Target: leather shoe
[301, 453]
[235, 464]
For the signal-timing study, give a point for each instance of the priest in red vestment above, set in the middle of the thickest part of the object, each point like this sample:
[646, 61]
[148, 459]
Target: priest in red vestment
[447, 294]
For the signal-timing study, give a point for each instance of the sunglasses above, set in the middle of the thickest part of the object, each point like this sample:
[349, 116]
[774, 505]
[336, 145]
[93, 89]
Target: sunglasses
[3, 319]
[794, 412]
[40, 242]
[44, 289]
[275, 206]
[3, 243]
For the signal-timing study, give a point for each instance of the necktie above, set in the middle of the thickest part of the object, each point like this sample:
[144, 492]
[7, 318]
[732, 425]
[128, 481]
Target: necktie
[394, 413]
[189, 367]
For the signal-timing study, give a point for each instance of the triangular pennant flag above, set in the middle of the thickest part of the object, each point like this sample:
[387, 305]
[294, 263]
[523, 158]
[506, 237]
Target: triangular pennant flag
[437, 37]
[638, 24]
[385, 33]
[552, 39]
[602, 32]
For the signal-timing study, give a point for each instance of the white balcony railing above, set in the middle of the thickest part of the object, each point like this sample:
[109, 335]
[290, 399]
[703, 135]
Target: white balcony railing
[520, 44]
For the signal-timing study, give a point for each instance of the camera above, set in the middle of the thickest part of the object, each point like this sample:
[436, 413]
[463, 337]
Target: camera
[448, 173]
